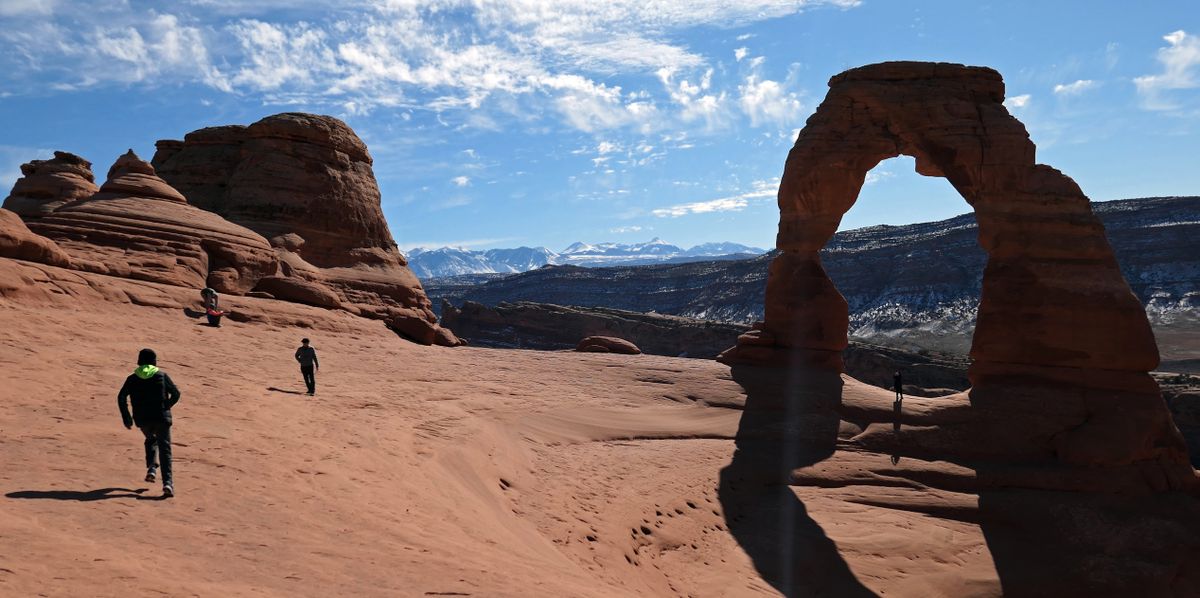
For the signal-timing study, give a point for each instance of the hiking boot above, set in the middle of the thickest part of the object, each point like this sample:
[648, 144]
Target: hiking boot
[151, 475]
[168, 491]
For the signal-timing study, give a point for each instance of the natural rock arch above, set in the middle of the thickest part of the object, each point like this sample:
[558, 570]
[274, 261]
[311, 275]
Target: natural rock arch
[1055, 312]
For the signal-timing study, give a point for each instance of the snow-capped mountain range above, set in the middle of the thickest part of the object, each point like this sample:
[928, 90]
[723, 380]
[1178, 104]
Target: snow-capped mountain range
[455, 261]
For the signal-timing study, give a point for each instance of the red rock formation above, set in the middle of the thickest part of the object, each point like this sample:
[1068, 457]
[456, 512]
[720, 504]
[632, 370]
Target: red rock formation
[305, 182]
[48, 184]
[19, 243]
[138, 227]
[607, 344]
[1062, 346]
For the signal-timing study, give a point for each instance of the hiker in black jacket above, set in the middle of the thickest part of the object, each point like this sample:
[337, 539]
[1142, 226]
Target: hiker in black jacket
[152, 394]
[307, 356]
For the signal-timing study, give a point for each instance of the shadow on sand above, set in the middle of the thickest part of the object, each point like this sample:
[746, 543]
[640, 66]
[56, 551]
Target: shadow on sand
[284, 391]
[84, 496]
[790, 421]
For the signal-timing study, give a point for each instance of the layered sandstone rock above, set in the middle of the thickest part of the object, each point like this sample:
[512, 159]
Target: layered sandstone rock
[305, 182]
[19, 243]
[137, 226]
[45, 185]
[1062, 347]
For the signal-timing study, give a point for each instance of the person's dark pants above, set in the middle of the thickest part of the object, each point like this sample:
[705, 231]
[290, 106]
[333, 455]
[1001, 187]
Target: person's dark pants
[158, 443]
[310, 378]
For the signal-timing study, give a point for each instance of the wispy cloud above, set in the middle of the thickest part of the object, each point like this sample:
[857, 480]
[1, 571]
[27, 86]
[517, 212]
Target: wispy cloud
[1180, 60]
[874, 177]
[438, 55]
[1017, 102]
[1075, 88]
[464, 243]
[759, 190]
[461, 181]
[620, 230]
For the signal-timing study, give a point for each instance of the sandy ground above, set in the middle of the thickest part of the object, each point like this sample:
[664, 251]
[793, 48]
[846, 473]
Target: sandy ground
[414, 471]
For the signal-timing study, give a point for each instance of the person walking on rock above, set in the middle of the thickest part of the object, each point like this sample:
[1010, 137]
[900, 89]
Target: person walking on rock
[152, 394]
[898, 386]
[307, 356]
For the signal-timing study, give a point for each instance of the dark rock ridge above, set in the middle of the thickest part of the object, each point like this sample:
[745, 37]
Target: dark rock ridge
[915, 285]
[305, 182]
[526, 325]
[544, 326]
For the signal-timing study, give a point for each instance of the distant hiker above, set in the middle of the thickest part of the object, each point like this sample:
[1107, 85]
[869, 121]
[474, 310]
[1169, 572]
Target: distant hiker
[214, 317]
[307, 356]
[898, 386]
[209, 298]
[152, 394]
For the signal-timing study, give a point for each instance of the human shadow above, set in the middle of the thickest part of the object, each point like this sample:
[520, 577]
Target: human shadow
[83, 496]
[790, 421]
[288, 392]
[191, 313]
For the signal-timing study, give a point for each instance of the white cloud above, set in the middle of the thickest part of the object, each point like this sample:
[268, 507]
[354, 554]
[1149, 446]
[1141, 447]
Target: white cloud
[1017, 102]
[767, 102]
[12, 8]
[461, 181]
[877, 177]
[759, 189]
[620, 230]
[740, 53]
[1076, 88]
[516, 56]
[1181, 70]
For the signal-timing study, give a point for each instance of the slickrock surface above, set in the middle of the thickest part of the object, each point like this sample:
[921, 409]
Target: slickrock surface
[1062, 347]
[467, 471]
[305, 182]
[46, 185]
[137, 226]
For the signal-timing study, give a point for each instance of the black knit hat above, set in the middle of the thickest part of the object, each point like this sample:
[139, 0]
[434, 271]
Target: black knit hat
[147, 357]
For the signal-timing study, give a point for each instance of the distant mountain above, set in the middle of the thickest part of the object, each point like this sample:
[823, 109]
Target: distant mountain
[914, 286]
[457, 261]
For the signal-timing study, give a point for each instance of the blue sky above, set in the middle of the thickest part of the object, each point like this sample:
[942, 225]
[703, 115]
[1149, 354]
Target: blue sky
[497, 123]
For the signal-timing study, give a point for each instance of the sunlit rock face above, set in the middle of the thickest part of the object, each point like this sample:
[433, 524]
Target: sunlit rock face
[137, 226]
[306, 182]
[46, 185]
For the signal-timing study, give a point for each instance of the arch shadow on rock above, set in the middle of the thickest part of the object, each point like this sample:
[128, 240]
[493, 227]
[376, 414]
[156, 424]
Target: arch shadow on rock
[790, 421]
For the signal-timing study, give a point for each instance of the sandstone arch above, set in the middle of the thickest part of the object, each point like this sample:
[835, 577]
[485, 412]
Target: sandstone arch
[1055, 316]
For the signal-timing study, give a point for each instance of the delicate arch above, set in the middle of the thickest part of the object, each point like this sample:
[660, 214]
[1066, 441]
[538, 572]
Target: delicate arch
[1053, 295]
